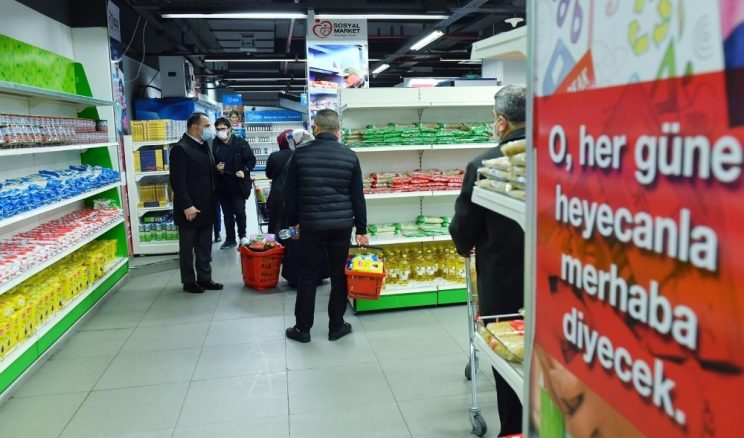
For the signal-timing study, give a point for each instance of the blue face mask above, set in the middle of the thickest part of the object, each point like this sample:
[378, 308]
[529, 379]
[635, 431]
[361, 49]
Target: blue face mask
[207, 134]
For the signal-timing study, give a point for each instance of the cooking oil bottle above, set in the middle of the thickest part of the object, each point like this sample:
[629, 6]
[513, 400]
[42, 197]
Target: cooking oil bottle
[404, 269]
[419, 266]
[391, 264]
[431, 265]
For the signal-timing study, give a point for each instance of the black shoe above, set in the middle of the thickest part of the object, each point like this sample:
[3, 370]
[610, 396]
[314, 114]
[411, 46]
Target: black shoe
[193, 288]
[227, 245]
[211, 285]
[340, 333]
[217, 238]
[298, 335]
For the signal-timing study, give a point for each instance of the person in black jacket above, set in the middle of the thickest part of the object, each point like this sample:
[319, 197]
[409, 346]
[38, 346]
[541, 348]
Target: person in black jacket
[498, 242]
[192, 179]
[324, 198]
[235, 160]
[274, 167]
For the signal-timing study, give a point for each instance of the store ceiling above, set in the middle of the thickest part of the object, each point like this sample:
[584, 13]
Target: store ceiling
[470, 21]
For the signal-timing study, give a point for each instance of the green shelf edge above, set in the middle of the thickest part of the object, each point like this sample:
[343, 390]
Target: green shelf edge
[34, 352]
[400, 301]
[453, 296]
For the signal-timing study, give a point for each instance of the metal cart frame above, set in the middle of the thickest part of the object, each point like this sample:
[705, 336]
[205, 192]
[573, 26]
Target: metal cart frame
[471, 370]
[262, 210]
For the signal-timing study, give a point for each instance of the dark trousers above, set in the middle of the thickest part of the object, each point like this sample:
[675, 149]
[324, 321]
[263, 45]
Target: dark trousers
[195, 250]
[217, 219]
[510, 408]
[314, 245]
[233, 209]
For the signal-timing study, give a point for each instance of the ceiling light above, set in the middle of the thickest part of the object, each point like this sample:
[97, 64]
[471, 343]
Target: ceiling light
[428, 39]
[243, 15]
[514, 21]
[380, 69]
[253, 60]
[381, 17]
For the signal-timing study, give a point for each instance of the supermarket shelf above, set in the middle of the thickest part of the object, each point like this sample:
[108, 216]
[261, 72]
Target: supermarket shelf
[423, 147]
[139, 175]
[57, 148]
[384, 105]
[55, 319]
[394, 240]
[513, 373]
[55, 205]
[413, 287]
[142, 210]
[138, 144]
[30, 92]
[424, 194]
[512, 208]
[151, 248]
[444, 238]
[4, 287]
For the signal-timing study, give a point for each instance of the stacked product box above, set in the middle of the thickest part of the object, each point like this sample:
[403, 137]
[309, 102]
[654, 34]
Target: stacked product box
[30, 131]
[158, 227]
[157, 130]
[155, 195]
[151, 159]
[26, 307]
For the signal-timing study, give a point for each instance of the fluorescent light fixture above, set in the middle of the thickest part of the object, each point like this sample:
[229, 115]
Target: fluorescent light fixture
[253, 60]
[380, 69]
[381, 16]
[243, 15]
[428, 39]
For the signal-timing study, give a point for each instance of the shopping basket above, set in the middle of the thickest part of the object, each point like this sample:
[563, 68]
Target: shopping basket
[261, 269]
[364, 285]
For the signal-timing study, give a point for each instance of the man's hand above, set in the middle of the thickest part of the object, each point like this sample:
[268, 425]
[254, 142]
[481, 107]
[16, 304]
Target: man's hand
[220, 167]
[240, 174]
[191, 213]
[467, 254]
[296, 235]
[362, 240]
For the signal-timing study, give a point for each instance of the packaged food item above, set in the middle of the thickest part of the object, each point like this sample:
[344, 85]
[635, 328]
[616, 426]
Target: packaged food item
[262, 242]
[495, 185]
[514, 147]
[500, 163]
[518, 159]
[506, 338]
[496, 174]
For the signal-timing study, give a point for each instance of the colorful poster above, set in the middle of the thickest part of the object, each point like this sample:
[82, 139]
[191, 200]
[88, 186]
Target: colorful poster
[337, 57]
[637, 130]
[232, 109]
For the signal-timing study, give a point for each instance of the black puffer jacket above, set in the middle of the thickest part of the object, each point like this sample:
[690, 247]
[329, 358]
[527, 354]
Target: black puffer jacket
[323, 190]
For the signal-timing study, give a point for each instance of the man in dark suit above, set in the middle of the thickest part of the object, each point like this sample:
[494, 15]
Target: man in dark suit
[192, 175]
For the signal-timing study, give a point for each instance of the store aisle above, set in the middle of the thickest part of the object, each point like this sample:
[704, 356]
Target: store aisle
[157, 362]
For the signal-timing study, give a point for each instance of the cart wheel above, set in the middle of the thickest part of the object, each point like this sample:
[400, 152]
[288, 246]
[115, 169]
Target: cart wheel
[479, 424]
[467, 371]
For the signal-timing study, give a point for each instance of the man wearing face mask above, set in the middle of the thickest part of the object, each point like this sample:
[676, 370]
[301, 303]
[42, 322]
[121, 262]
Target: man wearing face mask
[498, 242]
[235, 160]
[192, 178]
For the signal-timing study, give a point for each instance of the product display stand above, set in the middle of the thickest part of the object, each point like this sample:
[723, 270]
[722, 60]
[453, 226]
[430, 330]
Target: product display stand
[147, 238]
[22, 161]
[262, 138]
[381, 106]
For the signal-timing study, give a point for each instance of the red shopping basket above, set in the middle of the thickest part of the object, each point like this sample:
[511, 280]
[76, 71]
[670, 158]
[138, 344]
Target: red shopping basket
[364, 285]
[261, 269]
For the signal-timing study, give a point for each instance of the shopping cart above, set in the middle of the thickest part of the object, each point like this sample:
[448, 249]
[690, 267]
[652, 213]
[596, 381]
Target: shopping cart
[261, 187]
[471, 370]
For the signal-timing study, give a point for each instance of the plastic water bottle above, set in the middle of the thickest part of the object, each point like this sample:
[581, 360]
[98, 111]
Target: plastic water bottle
[287, 233]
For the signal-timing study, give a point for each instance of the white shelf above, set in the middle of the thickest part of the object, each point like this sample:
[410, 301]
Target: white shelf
[139, 175]
[423, 147]
[422, 194]
[152, 248]
[138, 144]
[512, 372]
[413, 287]
[30, 92]
[57, 317]
[142, 210]
[512, 208]
[55, 205]
[445, 192]
[456, 146]
[4, 287]
[394, 240]
[49, 149]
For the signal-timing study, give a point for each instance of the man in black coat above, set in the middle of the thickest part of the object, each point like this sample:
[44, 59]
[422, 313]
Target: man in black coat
[498, 242]
[324, 197]
[235, 160]
[192, 175]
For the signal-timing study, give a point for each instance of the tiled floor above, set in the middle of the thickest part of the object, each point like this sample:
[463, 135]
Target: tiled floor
[157, 362]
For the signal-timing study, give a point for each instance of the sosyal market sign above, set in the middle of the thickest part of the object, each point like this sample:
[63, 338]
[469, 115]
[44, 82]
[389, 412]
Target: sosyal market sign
[338, 30]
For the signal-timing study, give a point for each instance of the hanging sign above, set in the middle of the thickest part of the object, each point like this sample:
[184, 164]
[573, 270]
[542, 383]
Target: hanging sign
[638, 130]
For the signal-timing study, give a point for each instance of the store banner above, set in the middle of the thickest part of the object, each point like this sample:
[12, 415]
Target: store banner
[232, 109]
[639, 202]
[267, 116]
[337, 57]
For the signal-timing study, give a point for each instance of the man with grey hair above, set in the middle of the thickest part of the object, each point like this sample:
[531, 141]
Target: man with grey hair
[324, 199]
[498, 242]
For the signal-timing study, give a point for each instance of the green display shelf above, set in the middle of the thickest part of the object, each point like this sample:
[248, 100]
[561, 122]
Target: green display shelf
[387, 302]
[452, 296]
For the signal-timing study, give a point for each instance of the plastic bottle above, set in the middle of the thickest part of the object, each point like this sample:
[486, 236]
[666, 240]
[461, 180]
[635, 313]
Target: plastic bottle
[287, 233]
[419, 266]
[404, 270]
[430, 263]
[391, 264]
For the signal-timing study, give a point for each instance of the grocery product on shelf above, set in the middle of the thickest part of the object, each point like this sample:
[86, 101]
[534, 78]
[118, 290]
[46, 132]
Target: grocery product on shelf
[155, 195]
[158, 227]
[26, 307]
[151, 159]
[413, 181]
[24, 251]
[418, 134]
[30, 192]
[506, 338]
[423, 226]
[29, 131]
[506, 174]
[424, 263]
[158, 130]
